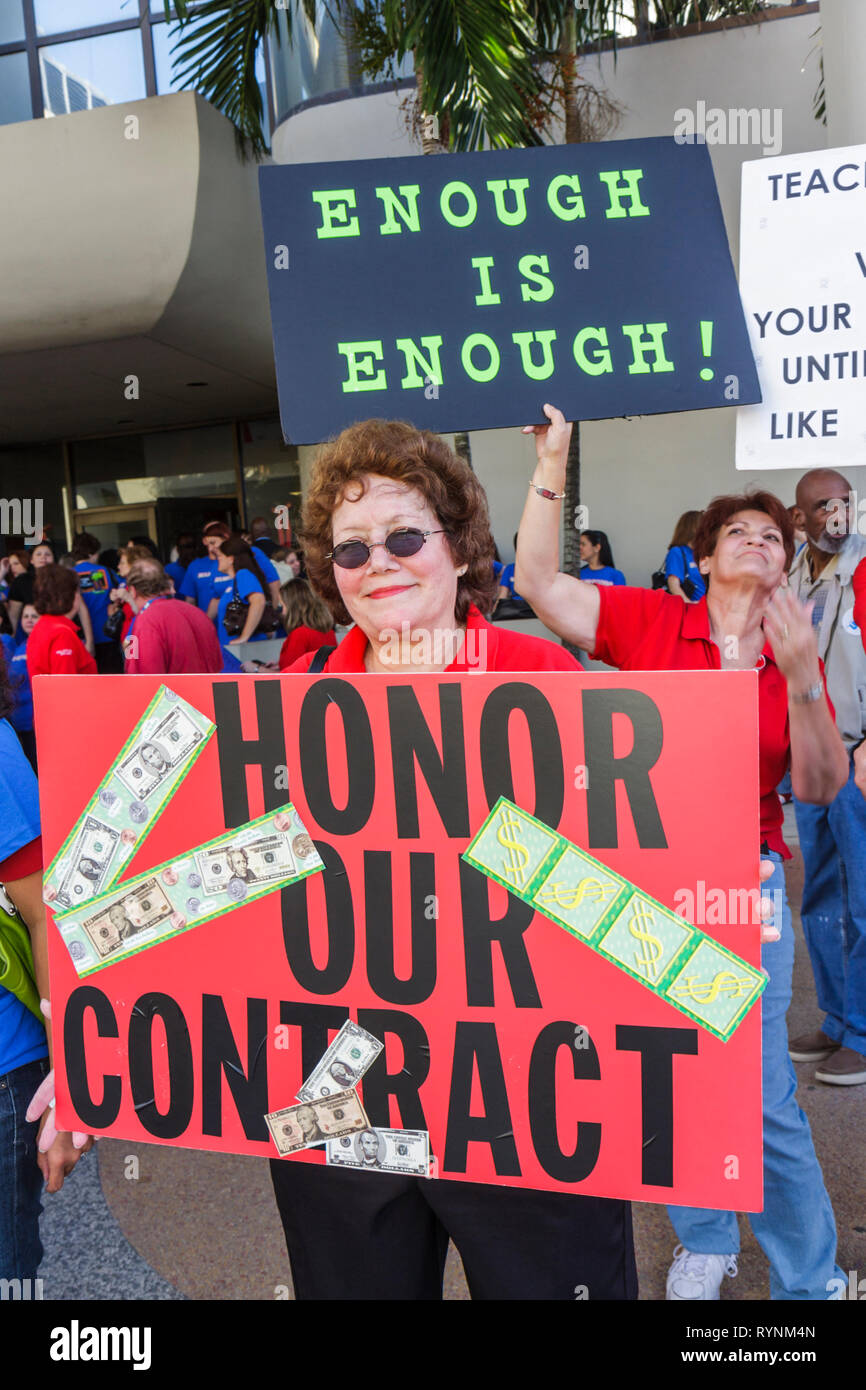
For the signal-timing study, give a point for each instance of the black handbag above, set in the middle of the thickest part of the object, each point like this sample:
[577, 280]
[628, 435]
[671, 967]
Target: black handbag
[235, 616]
[660, 580]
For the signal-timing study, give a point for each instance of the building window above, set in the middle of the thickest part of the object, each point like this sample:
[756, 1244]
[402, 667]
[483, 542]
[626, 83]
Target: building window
[64, 16]
[11, 22]
[86, 73]
[14, 89]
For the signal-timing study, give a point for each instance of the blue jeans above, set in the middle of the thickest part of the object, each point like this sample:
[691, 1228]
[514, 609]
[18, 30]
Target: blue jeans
[796, 1229]
[20, 1178]
[833, 841]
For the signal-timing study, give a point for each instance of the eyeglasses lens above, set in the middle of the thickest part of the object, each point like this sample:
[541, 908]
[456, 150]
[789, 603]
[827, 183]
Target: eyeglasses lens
[352, 554]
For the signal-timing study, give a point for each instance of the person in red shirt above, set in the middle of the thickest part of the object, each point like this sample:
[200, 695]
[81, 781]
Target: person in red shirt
[397, 540]
[308, 620]
[54, 647]
[167, 635]
[748, 620]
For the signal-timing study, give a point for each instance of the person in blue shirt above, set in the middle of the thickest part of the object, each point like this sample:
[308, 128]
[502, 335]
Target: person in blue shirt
[97, 582]
[185, 545]
[597, 559]
[21, 714]
[683, 576]
[204, 581]
[24, 1050]
[243, 580]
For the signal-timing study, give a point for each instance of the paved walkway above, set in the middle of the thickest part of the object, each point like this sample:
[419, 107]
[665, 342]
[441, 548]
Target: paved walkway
[139, 1221]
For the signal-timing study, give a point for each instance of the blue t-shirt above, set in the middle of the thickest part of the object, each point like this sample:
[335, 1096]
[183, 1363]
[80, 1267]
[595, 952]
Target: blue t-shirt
[96, 581]
[22, 1037]
[244, 584]
[203, 580]
[605, 574]
[507, 578]
[176, 573]
[680, 564]
[21, 717]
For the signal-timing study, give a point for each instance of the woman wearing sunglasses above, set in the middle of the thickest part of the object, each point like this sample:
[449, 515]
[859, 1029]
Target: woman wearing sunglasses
[397, 541]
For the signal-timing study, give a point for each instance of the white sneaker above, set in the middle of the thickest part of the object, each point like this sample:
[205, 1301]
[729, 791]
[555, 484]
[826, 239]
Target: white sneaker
[692, 1277]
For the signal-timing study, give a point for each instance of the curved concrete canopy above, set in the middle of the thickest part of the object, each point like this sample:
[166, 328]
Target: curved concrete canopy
[131, 244]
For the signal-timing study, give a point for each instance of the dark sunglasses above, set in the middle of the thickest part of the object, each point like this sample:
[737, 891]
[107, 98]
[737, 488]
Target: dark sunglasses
[351, 555]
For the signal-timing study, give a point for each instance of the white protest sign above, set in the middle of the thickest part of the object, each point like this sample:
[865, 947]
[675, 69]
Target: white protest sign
[803, 287]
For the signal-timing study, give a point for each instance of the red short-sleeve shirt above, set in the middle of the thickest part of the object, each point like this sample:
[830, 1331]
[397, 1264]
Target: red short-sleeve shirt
[646, 630]
[486, 647]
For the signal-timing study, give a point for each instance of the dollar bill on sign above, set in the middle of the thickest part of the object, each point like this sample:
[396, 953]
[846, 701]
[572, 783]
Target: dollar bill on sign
[350, 1054]
[259, 861]
[314, 1122]
[139, 910]
[155, 757]
[159, 753]
[87, 867]
[382, 1151]
[153, 907]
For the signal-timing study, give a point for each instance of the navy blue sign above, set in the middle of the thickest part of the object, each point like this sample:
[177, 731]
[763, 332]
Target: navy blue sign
[463, 291]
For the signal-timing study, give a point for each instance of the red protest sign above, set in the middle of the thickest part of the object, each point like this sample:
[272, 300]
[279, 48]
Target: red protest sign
[531, 1060]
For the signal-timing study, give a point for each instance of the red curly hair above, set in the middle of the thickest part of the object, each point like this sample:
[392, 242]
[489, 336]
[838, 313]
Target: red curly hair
[419, 459]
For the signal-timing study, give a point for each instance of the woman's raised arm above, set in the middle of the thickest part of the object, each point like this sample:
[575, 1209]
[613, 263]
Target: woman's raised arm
[567, 605]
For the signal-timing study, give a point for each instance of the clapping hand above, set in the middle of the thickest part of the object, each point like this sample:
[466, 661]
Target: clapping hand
[788, 625]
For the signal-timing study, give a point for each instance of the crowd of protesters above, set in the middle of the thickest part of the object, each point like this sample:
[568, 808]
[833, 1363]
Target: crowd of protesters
[110, 611]
[787, 581]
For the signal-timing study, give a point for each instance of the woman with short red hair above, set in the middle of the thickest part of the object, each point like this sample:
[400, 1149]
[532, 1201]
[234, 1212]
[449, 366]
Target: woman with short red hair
[747, 621]
[397, 541]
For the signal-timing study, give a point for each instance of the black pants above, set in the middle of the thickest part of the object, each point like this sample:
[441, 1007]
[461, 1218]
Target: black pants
[357, 1235]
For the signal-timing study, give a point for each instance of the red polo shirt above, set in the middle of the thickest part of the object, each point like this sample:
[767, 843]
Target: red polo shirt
[645, 630]
[304, 639]
[55, 649]
[486, 647]
[171, 637]
[859, 583]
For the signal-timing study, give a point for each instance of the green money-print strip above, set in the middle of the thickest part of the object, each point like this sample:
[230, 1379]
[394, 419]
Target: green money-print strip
[609, 914]
[159, 753]
[192, 888]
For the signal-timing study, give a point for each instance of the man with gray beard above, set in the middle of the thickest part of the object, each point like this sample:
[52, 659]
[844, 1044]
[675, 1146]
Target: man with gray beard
[833, 838]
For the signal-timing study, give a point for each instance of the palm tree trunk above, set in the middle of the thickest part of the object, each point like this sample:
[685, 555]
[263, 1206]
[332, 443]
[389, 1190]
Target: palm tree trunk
[573, 136]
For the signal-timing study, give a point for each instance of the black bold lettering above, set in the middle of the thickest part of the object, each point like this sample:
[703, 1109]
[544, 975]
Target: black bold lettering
[477, 1044]
[604, 770]
[178, 1051]
[576, 1166]
[405, 1084]
[544, 741]
[91, 1114]
[360, 759]
[445, 774]
[379, 914]
[220, 1056]
[314, 1021]
[340, 919]
[480, 931]
[236, 753]
[657, 1048]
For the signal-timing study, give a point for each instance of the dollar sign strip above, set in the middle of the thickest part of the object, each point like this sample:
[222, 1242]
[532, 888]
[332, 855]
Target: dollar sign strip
[564, 895]
[515, 868]
[724, 983]
[652, 949]
[716, 991]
